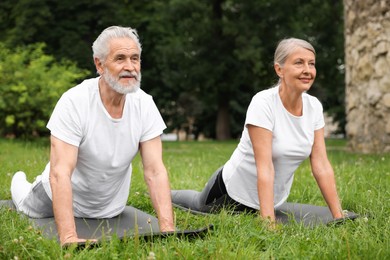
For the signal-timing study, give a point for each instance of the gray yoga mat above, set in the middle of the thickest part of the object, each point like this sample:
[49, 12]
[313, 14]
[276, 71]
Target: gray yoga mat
[305, 214]
[309, 215]
[131, 223]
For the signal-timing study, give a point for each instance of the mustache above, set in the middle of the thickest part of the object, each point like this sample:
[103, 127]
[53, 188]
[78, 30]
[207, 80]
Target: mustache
[129, 74]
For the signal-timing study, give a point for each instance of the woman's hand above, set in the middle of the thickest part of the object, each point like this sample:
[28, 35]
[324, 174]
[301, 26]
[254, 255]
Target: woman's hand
[270, 223]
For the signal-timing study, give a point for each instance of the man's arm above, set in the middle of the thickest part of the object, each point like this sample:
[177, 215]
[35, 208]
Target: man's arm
[324, 175]
[156, 177]
[261, 139]
[63, 159]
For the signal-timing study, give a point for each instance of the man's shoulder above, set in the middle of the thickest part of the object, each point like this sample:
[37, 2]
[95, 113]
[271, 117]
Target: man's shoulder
[82, 91]
[85, 86]
[140, 95]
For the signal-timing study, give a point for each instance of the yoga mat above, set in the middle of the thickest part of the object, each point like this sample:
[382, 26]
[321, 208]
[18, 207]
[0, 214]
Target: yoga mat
[131, 223]
[309, 215]
[306, 214]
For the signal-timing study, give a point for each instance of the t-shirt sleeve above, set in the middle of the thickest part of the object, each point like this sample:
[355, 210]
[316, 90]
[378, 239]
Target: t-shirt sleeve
[65, 122]
[319, 121]
[259, 113]
[153, 123]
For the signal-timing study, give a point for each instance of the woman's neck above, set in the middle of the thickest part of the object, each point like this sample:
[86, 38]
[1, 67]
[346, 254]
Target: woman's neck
[291, 100]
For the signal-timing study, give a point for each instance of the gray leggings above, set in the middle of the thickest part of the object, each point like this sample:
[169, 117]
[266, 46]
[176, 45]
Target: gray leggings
[37, 203]
[211, 199]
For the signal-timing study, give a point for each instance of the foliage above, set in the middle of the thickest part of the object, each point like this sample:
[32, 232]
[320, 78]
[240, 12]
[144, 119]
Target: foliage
[217, 52]
[31, 82]
[221, 52]
[363, 182]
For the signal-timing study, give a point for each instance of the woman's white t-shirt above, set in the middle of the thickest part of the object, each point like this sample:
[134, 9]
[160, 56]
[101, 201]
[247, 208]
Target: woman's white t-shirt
[292, 141]
[106, 146]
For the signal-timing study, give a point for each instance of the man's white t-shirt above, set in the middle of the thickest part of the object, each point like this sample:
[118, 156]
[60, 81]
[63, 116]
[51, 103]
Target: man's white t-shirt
[106, 146]
[292, 141]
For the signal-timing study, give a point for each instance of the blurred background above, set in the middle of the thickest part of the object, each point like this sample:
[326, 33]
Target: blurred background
[202, 61]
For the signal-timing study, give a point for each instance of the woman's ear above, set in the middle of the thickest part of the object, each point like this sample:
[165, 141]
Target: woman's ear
[278, 70]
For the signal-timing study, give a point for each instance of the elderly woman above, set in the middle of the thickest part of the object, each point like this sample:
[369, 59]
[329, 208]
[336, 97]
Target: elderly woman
[284, 125]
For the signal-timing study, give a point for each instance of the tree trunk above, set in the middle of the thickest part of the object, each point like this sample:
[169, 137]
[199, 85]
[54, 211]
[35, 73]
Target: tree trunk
[223, 119]
[367, 58]
[222, 128]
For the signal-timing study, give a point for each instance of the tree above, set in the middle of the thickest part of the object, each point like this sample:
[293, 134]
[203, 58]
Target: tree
[31, 83]
[68, 28]
[221, 51]
[218, 52]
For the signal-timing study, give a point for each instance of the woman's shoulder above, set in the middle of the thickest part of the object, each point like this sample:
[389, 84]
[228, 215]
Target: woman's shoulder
[267, 94]
[312, 100]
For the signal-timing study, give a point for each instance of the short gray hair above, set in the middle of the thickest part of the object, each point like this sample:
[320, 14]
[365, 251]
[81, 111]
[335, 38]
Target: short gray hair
[100, 45]
[287, 46]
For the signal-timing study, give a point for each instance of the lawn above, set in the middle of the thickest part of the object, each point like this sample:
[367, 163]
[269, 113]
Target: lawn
[363, 185]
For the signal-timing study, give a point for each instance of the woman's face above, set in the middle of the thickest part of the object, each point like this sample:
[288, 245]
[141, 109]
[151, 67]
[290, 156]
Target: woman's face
[299, 71]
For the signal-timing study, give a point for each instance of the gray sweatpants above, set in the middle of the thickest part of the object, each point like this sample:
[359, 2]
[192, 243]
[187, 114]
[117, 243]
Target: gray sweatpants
[211, 199]
[31, 199]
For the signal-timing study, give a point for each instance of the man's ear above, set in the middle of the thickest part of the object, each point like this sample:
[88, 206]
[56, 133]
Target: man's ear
[98, 65]
[278, 70]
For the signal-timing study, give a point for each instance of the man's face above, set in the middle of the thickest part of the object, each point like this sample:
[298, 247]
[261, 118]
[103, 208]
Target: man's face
[122, 67]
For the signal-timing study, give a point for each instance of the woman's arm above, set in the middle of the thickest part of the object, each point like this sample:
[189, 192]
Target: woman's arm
[261, 139]
[324, 175]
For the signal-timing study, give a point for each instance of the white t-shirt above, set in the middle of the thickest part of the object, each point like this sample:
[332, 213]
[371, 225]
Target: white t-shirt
[107, 146]
[292, 141]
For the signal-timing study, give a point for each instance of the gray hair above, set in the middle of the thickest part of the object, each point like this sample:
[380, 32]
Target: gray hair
[287, 46]
[100, 46]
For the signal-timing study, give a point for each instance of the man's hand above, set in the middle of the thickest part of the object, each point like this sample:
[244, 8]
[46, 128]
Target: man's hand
[167, 228]
[74, 240]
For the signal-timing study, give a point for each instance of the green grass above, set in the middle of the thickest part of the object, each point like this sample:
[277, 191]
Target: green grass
[363, 184]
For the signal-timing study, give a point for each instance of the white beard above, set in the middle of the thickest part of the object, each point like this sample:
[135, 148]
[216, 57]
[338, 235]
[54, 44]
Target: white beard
[122, 88]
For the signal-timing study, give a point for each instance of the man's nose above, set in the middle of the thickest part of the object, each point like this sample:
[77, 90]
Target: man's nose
[129, 65]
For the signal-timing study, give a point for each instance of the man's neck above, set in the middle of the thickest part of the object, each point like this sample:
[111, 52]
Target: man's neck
[112, 100]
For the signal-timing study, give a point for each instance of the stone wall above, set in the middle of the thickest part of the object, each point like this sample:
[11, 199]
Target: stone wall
[367, 67]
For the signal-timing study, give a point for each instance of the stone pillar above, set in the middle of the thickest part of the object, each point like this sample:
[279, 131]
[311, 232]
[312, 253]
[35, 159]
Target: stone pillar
[367, 70]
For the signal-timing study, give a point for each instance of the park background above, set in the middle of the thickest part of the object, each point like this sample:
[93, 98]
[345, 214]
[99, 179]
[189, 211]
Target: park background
[202, 61]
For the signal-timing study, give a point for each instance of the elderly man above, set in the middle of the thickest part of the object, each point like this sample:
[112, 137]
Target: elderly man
[97, 128]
